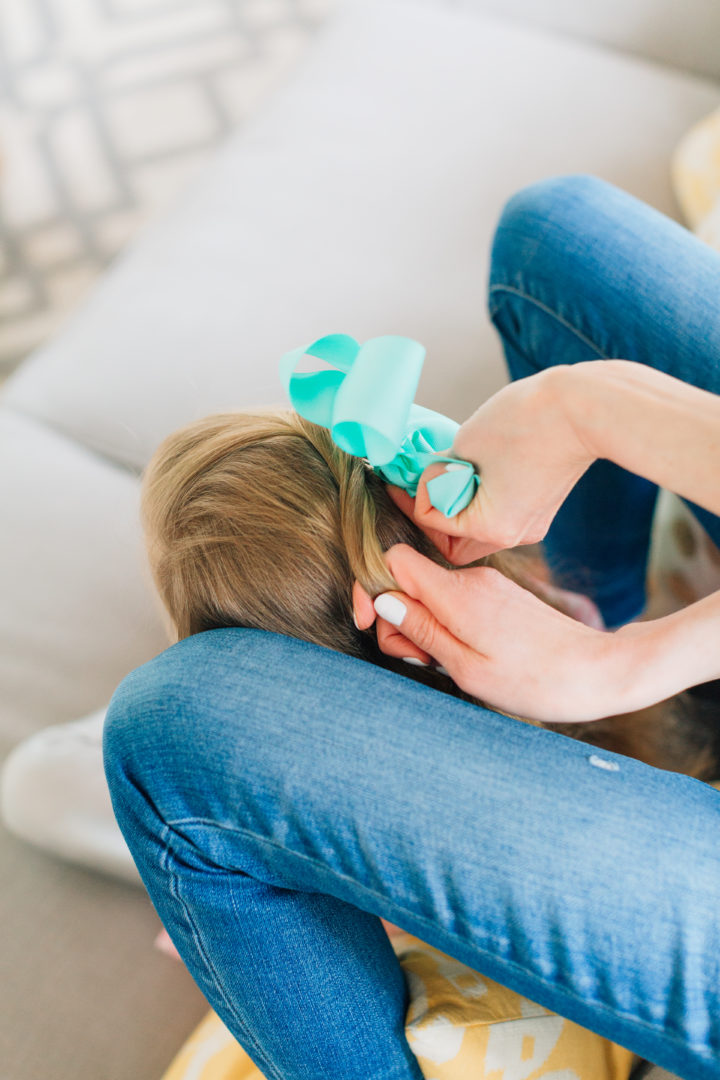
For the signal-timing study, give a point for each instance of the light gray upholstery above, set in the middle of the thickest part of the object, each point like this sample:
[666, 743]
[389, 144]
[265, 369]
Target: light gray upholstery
[682, 35]
[361, 199]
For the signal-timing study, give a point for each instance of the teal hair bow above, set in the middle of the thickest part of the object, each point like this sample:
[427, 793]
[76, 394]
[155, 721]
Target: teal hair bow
[363, 394]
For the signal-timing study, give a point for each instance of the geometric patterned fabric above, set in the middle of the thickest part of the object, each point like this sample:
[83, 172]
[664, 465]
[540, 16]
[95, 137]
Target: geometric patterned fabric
[107, 109]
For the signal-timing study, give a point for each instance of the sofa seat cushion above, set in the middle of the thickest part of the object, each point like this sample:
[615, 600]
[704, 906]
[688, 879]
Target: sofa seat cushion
[77, 610]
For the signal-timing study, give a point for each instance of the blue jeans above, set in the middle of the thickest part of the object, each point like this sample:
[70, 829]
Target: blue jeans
[279, 797]
[582, 271]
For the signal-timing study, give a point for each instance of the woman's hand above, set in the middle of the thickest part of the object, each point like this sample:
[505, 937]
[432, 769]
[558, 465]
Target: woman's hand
[500, 643]
[528, 455]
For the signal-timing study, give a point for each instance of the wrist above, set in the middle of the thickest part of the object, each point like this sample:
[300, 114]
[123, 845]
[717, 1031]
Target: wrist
[688, 643]
[573, 389]
[575, 397]
[635, 666]
[589, 391]
[655, 660]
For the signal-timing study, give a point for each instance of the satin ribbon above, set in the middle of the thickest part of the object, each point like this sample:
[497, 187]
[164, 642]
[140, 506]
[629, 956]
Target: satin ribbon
[363, 395]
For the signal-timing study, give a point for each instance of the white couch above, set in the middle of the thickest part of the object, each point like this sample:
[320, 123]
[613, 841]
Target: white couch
[361, 198]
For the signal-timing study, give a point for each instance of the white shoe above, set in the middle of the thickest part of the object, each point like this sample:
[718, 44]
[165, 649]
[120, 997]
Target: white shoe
[54, 795]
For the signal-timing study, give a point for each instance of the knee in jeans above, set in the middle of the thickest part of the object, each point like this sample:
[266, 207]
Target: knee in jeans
[129, 737]
[152, 731]
[533, 206]
[156, 716]
[155, 766]
[536, 220]
[168, 735]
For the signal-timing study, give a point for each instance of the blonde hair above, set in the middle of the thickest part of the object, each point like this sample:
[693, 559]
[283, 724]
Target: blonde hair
[257, 519]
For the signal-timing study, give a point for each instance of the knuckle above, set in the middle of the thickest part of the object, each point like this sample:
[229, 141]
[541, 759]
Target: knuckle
[396, 556]
[424, 630]
[493, 589]
[398, 551]
[490, 577]
[465, 672]
[534, 535]
[385, 635]
[512, 534]
[500, 537]
[509, 538]
[424, 510]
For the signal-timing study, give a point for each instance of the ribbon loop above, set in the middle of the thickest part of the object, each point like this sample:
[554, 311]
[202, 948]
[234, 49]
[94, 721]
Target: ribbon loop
[365, 399]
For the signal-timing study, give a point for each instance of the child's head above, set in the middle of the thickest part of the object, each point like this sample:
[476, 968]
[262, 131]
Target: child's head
[258, 519]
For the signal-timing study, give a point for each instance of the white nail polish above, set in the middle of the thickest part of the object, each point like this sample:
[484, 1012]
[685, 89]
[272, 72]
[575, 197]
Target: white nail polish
[443, 671]
[355, 620]
[390, 608]
[452, 467]
[414, 660]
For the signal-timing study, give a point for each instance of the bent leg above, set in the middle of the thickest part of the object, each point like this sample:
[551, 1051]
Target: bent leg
[581, 270]
[267, 814]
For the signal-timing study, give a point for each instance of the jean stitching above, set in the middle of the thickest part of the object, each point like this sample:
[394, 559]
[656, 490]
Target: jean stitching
[610, 1010]
[548, 311]
[167, 864]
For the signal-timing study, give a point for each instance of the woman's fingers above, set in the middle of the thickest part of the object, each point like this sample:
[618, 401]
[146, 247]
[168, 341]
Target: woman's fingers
[458, 550]
[394, 643]
[402, 499]
[465, 601]
[389, 638]
[502, 643]
[460, 600]
[406, 623]
[521, 489]
[363, 610]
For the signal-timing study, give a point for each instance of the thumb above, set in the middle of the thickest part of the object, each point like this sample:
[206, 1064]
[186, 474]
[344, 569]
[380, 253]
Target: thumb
[440, 530]
[469, 534]
[420, 626]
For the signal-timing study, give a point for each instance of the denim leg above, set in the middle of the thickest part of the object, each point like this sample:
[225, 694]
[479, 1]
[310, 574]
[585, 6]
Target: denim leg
[271, 791]
[580, 270]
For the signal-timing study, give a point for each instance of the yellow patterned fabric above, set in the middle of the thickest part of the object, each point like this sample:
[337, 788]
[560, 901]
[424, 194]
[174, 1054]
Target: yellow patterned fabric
[459, 1025]
[696, 178]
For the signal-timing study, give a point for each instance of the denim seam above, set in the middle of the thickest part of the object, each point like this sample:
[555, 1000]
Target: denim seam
[167, 865]
[611, 1011]
[548, 311]
[385, 1076]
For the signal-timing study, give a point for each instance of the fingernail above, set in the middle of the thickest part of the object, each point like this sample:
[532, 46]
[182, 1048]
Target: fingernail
[443, 671]
[452, 467]
[390, 608]
[355, 620]
[414, 660]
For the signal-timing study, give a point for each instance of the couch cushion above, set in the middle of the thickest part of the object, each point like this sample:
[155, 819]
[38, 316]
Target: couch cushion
[76, 611]
[362, 199]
